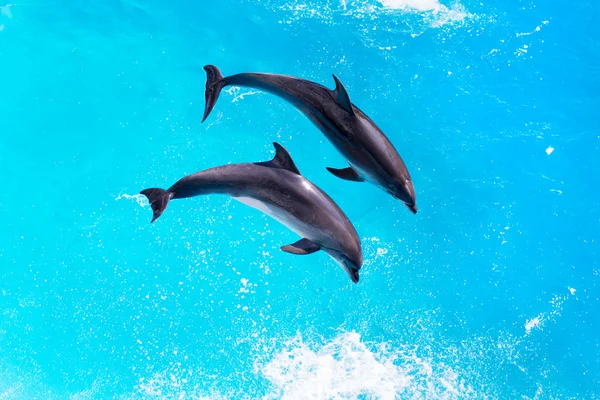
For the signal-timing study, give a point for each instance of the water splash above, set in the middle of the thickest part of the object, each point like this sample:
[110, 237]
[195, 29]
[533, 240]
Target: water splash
[537, 29]
[420, 5]
[348, 368]
[172, 385]
[432, 12]
[239, 94]
[140, 198]
[556, 306]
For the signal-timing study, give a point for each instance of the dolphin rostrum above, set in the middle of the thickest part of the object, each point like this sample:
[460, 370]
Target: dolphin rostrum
[278, 189]
[371, 155]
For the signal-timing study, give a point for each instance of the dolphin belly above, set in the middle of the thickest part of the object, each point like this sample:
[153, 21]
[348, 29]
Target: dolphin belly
[288, 221]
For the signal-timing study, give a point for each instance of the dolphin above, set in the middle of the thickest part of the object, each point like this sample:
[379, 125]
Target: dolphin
[277, 189]
[371, 155]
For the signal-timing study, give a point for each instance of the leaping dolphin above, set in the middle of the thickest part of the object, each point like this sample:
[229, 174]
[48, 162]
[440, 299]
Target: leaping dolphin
[371, 155]
[278, 189]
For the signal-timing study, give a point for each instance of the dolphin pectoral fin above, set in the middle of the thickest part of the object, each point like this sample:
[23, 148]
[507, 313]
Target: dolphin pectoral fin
[281, 160]
[341, 95]
[302, 247]
[348, 174]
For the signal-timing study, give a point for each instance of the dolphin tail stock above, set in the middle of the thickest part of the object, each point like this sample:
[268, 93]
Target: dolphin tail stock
[214, 84]
[159, 199]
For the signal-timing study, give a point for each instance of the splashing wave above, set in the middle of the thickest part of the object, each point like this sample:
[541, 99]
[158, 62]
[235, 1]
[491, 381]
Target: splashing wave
[347, 368]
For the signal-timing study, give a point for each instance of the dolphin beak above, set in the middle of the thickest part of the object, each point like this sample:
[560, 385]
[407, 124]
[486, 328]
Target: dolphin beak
[412, 208]
[352, 272]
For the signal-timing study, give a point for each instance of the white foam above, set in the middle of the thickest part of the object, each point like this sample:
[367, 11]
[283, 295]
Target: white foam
[347, 368]
[549, 150]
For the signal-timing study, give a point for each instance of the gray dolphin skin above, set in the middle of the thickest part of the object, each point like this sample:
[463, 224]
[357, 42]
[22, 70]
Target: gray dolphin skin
[371, 155]
[278, 189]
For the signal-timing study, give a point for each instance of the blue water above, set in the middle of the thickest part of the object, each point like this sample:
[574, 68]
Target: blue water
[491, 291]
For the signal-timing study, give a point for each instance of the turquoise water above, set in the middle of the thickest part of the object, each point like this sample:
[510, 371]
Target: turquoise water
[490, 291]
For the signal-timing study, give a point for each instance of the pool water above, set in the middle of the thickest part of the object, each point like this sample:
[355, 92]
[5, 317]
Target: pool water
[490, 291]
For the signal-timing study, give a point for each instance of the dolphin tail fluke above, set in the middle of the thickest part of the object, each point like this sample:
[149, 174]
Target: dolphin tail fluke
[159, 199]
[214, 84]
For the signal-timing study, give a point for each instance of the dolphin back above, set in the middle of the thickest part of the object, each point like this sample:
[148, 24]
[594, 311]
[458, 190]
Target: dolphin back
[300, 92]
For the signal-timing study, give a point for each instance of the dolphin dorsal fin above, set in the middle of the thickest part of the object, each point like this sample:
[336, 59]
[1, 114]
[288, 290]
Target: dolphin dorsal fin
[341, 95]
[281, 160]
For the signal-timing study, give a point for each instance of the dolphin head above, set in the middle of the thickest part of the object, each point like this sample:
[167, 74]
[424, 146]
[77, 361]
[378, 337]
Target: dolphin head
[350, 260]
[403, 190]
